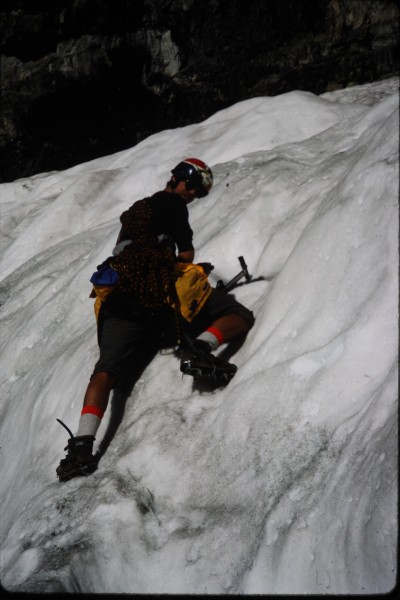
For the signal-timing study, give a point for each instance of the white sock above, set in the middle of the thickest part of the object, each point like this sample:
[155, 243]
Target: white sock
[210, 338]
[88, 424]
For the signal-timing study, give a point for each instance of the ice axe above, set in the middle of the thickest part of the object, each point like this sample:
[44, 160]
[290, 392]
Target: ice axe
[226, 287]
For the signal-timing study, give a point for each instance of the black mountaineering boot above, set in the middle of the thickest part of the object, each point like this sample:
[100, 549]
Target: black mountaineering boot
[198, 361]
[79, 460]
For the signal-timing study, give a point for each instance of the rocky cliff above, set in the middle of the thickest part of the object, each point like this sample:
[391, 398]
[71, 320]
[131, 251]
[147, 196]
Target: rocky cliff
[86, 78]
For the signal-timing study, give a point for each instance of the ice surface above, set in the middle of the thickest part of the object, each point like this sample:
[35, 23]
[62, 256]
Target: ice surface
[285, 482]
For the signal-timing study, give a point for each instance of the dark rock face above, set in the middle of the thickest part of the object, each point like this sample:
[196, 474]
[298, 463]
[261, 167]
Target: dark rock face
[85, 78]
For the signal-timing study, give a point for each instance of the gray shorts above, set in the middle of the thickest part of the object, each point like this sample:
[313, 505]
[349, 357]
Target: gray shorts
[125, 345]
[219, 305]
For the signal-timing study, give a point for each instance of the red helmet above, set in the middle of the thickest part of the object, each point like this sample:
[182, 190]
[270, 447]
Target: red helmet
[196, 174]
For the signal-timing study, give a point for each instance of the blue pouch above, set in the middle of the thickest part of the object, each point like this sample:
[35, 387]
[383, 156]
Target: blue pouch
[105, 275]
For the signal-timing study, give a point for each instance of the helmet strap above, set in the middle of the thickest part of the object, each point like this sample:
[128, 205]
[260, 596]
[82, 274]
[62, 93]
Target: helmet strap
[173, 183]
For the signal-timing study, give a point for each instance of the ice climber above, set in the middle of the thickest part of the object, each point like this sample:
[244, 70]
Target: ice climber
[149, 281]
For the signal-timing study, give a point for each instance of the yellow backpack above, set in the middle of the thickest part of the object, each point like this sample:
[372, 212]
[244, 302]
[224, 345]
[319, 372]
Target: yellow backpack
[192, 290]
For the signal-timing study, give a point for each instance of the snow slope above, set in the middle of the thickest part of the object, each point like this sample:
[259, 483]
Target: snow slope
[286, 480]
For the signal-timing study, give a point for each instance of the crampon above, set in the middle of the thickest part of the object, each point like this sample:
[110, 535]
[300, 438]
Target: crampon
[198, 362]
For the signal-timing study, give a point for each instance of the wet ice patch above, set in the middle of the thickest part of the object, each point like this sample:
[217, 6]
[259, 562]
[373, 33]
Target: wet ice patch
[310, 363]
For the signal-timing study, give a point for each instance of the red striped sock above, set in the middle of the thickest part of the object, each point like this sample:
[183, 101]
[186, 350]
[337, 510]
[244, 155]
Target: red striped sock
[217, 333]
[213, 336]
[90, 420]
[93, 410]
